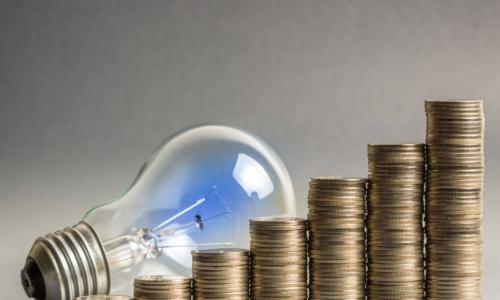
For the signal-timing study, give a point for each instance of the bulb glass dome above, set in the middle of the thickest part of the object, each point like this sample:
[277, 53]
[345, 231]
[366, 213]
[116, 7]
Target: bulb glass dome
[198, 190]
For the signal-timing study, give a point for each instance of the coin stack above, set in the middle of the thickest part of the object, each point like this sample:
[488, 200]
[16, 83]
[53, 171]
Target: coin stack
[160, 287]
[337, 238]
[395, 230]
[221, 274]
[455, 132]
[279, 258]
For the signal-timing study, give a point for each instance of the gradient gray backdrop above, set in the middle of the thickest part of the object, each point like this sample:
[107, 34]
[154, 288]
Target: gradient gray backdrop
[89, 88]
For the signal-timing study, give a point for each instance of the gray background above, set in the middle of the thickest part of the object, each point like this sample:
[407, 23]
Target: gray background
[89, 88]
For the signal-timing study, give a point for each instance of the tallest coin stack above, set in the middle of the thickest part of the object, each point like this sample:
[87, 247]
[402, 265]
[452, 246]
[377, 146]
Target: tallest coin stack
[454, 197]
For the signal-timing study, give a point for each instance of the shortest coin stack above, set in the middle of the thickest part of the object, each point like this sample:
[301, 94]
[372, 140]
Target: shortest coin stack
[221, 273]
[279, 258]
[160, 287]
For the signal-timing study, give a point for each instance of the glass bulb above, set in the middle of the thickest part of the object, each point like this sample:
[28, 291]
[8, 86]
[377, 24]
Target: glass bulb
[199, 189]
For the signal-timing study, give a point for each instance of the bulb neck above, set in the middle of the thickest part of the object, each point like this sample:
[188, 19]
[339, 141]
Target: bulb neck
[66, 264]
[125, 251]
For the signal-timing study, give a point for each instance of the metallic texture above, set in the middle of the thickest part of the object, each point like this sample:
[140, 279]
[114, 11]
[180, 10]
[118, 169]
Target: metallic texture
[66, 264]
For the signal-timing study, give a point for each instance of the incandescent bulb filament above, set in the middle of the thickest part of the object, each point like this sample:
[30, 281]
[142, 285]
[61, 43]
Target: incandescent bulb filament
[127, 250]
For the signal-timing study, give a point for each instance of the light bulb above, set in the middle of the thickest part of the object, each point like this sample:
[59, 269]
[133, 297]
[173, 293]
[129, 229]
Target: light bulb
[199, 189]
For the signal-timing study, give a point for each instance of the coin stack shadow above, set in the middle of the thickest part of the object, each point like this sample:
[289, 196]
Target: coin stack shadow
[160, 287]
[336, 220]
[279, 258]
[221, 274]
[454, 197]
[395, 231]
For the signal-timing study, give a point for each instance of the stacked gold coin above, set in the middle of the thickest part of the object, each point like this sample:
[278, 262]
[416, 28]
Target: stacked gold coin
[221, 274]
[455, 132]
[337, 238]
[279, 258]
[395, 230]
[162, 287]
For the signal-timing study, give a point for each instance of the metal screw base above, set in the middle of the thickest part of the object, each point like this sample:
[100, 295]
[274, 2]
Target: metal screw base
[66, 264]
